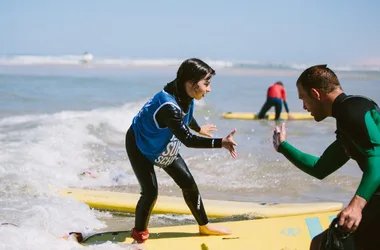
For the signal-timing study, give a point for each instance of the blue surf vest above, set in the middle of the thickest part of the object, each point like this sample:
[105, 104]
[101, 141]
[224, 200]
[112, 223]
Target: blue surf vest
[159, 145]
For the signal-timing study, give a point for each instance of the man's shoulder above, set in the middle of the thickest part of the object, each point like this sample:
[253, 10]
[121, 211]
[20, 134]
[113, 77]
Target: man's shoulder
[352, 110]
[358, 99]
[356, 103]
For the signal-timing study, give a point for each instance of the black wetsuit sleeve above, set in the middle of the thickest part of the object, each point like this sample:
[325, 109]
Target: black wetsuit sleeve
[332, 159]
[194, 125]
[170, 116]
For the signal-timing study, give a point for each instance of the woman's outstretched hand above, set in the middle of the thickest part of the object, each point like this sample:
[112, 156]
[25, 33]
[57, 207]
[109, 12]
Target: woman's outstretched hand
[206, 129]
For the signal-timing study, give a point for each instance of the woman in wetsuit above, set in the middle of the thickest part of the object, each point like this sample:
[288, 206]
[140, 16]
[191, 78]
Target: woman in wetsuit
[156, 135]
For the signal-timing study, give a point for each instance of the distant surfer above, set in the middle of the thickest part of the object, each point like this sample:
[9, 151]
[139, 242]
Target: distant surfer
[357, 138]
[155, 138]
[87, 58]
[276, 95]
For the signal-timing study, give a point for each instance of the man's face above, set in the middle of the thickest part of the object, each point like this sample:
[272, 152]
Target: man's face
[312, 102]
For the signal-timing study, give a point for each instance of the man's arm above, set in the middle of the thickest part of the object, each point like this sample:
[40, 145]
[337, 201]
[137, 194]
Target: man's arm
[332, 159]
[371, 174]
[371, 178]
[351, 216]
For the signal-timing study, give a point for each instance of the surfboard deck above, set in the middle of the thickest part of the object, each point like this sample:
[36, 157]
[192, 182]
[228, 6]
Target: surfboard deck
[283, 233]
[126, 202]
[269, 116]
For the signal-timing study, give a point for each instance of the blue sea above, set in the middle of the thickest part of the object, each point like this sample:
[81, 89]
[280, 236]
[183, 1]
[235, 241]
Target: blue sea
[60, 117]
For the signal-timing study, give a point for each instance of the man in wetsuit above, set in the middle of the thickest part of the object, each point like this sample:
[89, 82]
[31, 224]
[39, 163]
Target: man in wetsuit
[276, 95]
[156, 135]
[357, 137]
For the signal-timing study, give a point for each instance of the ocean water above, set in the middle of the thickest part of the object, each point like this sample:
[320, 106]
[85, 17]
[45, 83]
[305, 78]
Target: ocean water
[58, 119]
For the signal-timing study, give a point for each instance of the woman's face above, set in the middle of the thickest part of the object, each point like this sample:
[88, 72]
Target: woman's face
[200, 89]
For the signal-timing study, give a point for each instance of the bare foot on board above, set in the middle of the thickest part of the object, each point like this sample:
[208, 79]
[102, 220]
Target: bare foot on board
[73, 236]
[209, 229]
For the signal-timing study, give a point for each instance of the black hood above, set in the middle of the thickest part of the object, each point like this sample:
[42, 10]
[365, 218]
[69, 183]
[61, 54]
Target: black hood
[178, 91]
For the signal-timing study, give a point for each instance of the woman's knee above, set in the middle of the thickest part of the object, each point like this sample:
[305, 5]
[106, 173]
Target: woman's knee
[150, 194]
[190, 187]
[186, 181]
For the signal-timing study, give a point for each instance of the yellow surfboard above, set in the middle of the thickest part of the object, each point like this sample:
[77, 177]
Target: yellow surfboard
[283, 233]
[126, 202]
[269, 116]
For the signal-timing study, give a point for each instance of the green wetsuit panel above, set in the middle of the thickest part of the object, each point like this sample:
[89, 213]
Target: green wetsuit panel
[332, 159]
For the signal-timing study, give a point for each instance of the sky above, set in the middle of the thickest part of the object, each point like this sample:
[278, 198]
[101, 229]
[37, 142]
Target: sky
[339, 31]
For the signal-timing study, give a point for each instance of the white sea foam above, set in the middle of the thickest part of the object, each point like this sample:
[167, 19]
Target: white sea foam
[371, 65]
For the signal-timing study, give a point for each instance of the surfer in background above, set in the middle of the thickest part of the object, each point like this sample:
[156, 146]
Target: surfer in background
[155, 138]
[276, 95]
[357, 138]
[87, 58]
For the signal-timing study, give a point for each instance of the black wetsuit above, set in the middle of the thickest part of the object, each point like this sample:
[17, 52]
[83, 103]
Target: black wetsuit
[169, 116]
[358, 138]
